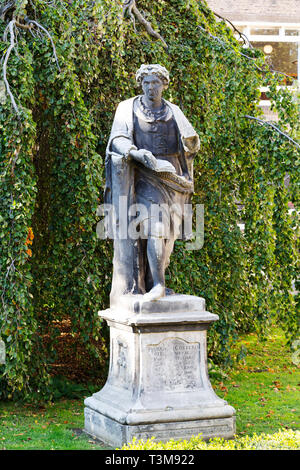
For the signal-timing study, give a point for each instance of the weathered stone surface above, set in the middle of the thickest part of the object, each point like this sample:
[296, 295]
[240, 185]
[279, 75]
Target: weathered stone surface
[172, 303]
[148, 164]
[117, 434]
[158, 383]
[177, 309]
[173, 365]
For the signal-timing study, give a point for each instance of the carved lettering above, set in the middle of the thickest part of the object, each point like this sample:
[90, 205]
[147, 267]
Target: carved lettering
[173, 365]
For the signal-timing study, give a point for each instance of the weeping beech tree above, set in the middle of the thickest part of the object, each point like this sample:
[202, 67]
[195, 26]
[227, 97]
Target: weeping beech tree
[65, 67]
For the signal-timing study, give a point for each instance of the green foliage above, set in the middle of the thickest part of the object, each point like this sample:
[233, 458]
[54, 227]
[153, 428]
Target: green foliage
[63, 388]
[284, 440]
[263, 387]
[52, 176]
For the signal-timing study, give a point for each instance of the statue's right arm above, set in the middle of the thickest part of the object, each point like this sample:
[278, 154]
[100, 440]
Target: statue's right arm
[124, 146]
[121, 142]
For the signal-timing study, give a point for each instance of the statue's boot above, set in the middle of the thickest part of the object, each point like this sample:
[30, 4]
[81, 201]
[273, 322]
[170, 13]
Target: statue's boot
[155, 293]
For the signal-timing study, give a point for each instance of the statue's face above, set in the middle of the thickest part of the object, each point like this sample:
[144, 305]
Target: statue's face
[153, 87]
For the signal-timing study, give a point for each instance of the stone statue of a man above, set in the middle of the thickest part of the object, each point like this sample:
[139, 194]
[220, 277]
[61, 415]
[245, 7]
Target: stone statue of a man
[149, 164]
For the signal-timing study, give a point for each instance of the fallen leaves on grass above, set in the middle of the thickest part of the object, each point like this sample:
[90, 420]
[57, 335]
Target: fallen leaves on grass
[223, 387]
[263, 401]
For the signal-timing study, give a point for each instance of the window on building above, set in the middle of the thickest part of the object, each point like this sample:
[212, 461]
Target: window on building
[264, 31]
[292, 32]
[281, 56]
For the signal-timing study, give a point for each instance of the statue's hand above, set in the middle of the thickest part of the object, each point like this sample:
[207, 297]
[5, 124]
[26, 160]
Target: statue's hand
[145, 157]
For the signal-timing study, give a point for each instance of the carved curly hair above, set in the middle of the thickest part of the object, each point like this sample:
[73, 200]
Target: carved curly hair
[153, 69]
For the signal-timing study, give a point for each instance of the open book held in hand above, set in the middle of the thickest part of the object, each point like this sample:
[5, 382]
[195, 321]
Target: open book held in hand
[164, 166]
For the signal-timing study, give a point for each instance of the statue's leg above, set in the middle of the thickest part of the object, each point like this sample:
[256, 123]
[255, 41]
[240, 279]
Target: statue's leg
[148, 275]
[141, 267]
[156, 259]
[175, 232]
[156, 254]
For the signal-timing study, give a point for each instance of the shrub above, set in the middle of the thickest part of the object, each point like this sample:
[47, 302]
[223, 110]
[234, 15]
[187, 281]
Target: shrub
[283, 439]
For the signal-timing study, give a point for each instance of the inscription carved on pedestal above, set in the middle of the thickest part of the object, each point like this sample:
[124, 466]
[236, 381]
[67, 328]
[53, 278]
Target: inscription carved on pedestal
[173, 365]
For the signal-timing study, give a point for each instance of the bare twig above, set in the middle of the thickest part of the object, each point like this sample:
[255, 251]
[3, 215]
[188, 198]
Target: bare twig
[147, 25]
[23, 26]
[16, 156]
[263, 123]
[11, 267]
[10, 28]
[127, 8]
[38, 25]
[241, 35]
[225, 44]
[130, 7]
[7, 7]
[5, 34]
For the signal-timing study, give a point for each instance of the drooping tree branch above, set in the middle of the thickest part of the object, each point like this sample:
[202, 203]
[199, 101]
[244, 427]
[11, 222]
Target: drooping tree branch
[5, 8]
[241, 35]
[130, 7]
[260, 121]
[263, 123]
[127, 9]
[224, 44]
[10, 29]
[23, 26]
[38, 25]
[12, 268]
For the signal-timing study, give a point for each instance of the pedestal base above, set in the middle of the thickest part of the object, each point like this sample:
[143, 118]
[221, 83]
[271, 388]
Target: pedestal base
[116, 434]
[158, 383]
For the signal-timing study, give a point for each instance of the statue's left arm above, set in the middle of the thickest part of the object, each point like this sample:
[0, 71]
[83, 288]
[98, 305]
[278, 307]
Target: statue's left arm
[189, 137]
[190, 141]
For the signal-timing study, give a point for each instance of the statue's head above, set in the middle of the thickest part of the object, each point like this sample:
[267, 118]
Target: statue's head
[153, 78]
[153, 69]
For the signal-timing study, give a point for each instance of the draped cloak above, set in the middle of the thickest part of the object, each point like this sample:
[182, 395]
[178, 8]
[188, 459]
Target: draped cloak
[128, 266]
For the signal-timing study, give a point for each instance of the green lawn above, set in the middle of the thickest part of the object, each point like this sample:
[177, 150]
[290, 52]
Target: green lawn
[264, 390]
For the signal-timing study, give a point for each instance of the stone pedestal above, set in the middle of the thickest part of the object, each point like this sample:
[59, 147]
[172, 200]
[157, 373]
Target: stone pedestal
[158, 383]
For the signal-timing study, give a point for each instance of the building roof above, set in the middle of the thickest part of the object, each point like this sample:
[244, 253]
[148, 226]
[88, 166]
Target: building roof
[275, 11]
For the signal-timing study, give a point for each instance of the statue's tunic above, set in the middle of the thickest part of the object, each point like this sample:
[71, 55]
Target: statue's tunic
[157, 132]
[169, 136]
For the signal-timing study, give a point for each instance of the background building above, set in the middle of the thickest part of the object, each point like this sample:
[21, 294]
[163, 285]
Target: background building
[272, 26]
